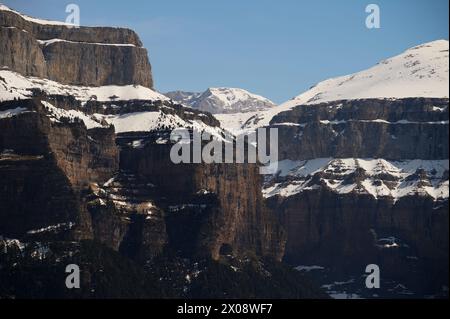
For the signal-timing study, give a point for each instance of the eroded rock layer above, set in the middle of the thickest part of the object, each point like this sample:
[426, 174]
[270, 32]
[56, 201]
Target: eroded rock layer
[89, 56]
[365, 181]
[137, 202]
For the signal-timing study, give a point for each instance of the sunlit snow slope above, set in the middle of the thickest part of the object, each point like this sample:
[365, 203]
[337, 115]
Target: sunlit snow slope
[421, 71]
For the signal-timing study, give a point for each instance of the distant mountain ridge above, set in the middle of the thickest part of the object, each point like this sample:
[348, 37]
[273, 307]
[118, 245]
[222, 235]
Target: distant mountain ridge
[420, 71]
[222, 100]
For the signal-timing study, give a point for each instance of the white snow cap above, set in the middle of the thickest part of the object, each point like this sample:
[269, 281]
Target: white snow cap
[226, 100]
[229, 96]
[421, 71]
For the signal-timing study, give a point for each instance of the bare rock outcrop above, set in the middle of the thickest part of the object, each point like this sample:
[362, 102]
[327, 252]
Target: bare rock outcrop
[343, 214]
[48, 31]
[89, 56]
[211, 209]
[372, 128]
[45, 166]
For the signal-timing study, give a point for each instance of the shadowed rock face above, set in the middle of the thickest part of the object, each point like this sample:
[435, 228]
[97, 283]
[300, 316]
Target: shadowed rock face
[325, 227]
[89, 56]
[84, 156]
[44, 168]
[408, 239]
[148, 203]
[339, 216]
[395, 130]
[208, 206]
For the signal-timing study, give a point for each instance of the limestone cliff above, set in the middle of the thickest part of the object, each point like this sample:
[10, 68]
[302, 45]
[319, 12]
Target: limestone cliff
[45, 166]
[366, 181]
[413, 128]
[139, 203]
[211, 209]
[89, 56]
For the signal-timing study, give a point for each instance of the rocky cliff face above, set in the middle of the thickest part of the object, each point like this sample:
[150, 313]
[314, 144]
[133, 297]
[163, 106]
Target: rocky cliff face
[127, 209]
[63, 182]
[365, 181]
[45, 166]
[47, 30]
[371, 128]
[363, 173]
[327, 228]
[213, 209]
[66, 62]
[343, 233]
[88, 56]
[19, 47]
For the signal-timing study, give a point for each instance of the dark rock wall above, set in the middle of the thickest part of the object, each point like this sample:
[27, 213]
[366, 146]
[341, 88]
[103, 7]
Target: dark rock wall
[323, 226]
[229, 214]
[248, 225]
[234, 216]
[342, 230]
[47, 166]
[412, 131]
[34, 194]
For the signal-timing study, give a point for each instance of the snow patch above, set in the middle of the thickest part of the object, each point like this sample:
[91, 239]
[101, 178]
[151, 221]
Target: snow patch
[12, 112]
[15, 86]
[403, 177]
[56, 114]
[48, 42]
[309, 268]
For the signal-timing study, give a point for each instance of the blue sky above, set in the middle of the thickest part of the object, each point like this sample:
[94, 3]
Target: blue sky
[274, 48]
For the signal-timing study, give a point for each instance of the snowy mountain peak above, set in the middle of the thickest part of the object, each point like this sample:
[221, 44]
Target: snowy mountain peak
[222, 100]
[421, 71]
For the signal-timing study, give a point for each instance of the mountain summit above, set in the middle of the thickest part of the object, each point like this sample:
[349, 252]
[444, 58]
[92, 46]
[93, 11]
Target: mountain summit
[222, 100]
[421, 71]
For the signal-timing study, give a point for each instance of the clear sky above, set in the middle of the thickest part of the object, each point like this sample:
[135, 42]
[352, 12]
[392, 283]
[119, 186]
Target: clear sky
[275, 48]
